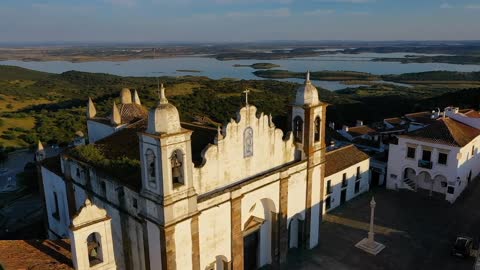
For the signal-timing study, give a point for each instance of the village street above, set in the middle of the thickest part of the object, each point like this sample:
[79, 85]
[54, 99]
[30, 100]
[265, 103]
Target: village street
[418, 232]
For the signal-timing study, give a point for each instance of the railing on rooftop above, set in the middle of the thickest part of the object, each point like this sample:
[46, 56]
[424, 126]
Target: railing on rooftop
[426, 164]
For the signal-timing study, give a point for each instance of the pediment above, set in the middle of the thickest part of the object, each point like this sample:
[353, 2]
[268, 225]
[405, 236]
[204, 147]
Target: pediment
[88, 214]
[253, 223]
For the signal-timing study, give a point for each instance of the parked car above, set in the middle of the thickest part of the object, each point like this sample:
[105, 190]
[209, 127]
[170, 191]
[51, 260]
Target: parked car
[462, 247]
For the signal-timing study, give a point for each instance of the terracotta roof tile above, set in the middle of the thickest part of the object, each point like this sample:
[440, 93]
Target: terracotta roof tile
[132, 112]
[445, 131]
[421, 117]
[35, 254]
[342, 158]
[360, 130]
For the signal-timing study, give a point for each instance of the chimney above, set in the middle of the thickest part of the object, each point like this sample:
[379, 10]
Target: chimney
[332, 125]
[345, 128]
[116, 118]
[359, 123]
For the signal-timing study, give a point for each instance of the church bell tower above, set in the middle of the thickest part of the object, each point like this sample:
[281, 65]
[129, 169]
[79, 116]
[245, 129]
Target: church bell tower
[308, 126]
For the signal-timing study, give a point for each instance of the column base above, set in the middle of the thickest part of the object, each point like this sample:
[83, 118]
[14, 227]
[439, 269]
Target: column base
[371, 247]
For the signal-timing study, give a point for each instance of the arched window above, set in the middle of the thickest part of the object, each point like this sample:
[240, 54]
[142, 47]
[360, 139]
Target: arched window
[248, 142]
[298, 128]
[150, 162]
[176, 161]
[56, 211]
[95, 254]
[317, 129]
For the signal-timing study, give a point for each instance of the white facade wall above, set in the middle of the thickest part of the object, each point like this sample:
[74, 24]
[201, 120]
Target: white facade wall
[98, 131]
[215, 234]
[460, 162]
[59, 222]
[225, 162]
[336, 183]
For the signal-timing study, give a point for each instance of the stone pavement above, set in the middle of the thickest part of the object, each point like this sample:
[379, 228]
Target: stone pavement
[418, 232]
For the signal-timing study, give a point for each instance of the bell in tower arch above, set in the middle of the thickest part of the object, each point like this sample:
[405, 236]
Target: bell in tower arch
[176, 163]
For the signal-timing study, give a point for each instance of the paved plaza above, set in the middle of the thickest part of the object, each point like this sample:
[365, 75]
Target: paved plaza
[418, 232]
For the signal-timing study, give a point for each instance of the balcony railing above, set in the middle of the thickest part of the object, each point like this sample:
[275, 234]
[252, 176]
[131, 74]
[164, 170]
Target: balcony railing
[426, 164]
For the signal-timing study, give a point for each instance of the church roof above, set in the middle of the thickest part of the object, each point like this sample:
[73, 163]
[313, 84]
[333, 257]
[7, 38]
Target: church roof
[131, 112]
[445, 131]
[125, 143]
[35, 254]
[342, 158]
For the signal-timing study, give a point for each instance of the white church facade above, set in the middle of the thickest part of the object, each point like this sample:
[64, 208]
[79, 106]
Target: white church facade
[237, 197]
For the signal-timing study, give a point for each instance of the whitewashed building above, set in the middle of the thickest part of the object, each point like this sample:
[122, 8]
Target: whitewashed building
[183, 196]
[442, 157]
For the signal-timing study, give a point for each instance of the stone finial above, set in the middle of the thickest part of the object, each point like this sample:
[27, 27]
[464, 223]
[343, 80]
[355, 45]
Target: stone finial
[116, 118]
[219, 133]
[307, 78]
[136, 98]
[40, 146]
[91, 111]
[126, 96]
[163, 97]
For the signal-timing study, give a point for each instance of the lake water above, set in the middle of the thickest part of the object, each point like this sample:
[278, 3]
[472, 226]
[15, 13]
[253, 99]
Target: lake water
[215, 69]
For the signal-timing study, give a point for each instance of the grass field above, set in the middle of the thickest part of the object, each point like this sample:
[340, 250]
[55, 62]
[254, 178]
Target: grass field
[12, 104]
[26, 123]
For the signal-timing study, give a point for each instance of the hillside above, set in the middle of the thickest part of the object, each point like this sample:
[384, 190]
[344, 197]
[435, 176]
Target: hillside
[54, 104]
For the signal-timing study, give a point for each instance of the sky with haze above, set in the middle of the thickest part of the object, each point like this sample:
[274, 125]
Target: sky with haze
[237, 20]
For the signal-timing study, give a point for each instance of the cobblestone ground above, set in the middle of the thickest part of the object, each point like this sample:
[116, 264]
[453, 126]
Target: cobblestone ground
[418, 231]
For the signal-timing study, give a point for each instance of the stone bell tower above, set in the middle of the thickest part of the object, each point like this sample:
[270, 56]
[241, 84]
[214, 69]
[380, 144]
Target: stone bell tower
[167, 181]
[308, 126]
[91, 239]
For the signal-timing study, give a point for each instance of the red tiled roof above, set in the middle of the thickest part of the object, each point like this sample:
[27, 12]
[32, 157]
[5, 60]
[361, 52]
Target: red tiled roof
[35, 254]
[421, 117]
[342, 158]
[360, 130]
[394, 120]
[445, 131]
[131, 112]
[472, 114]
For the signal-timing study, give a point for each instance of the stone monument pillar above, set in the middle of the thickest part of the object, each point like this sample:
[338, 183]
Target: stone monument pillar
[368, 244]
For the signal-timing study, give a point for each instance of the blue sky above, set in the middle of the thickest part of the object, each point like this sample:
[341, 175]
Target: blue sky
[237, 20]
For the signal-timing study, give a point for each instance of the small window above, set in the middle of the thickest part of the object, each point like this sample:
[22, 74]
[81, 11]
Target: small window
[103, 187]
[410, 152]
[473, 150]
[135, 203]
[426, 155]
[450, 190]
[357, 187]
[358, 173]
[78, 172]
[150, 162]
[344, 180]
[442, 158]
[317, 129]
[56, 212]
[329, 187]
[328, 203]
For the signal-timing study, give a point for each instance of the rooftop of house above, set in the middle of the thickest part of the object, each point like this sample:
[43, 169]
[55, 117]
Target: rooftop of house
[445, 131]
[342, 158]
[35, 254]
[360, 130]
[421, 117]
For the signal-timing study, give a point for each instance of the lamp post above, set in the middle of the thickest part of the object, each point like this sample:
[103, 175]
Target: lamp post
[371, 233]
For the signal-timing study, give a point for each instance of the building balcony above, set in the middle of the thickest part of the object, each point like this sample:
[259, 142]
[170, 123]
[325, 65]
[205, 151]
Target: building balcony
[426, 164]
